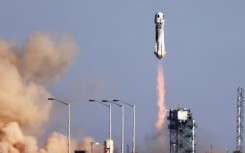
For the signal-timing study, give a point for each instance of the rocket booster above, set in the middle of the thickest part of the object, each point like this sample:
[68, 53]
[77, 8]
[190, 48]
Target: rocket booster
[160, 46]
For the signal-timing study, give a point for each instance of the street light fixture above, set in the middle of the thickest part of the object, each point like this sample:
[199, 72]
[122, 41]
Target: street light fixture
[133, 106]
[122, 106]
[69, 122]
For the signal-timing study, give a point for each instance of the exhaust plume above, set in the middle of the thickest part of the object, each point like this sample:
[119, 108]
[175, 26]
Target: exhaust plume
[161, 100]
[155, 142]
[24, 72]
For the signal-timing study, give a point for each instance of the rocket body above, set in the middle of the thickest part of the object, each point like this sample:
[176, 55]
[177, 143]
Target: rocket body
[160, 46]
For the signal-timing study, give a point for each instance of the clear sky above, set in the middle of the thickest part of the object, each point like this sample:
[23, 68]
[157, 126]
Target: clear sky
[204, 64]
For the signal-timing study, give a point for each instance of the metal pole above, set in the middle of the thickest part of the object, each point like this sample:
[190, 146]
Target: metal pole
[91, 146]
[122, 129]
[92, 100]
[110, 122]
[110, 128]
[134, 131]
[69, 128]
[122, 106]
[133, 106]
[69, 117]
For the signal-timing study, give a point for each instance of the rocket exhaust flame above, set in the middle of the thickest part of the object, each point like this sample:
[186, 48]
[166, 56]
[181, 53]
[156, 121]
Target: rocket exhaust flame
[161, 99]
[156, 143]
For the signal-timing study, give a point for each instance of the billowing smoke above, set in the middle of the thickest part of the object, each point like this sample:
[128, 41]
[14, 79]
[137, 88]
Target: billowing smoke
[57, 143]
[14, 141]
[24, 72]
[43, 59]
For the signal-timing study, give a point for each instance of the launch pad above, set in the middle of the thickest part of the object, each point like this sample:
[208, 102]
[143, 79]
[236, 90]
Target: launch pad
[182, 131]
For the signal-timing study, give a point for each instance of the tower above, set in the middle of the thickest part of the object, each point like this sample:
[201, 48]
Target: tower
[239, 138]
[182, 131]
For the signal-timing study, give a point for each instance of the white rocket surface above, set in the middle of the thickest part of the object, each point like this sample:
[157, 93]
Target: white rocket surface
[160, 47]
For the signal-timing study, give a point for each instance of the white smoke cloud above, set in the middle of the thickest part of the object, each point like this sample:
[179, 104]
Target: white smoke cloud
[24, 73]
[56, 143]
[44, 59]
[13, 140]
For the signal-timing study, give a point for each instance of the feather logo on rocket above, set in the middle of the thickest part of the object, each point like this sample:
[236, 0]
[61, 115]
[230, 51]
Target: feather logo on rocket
[160, 47]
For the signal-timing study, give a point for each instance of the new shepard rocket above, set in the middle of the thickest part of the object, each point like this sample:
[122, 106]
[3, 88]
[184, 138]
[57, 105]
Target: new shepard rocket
[160, 47]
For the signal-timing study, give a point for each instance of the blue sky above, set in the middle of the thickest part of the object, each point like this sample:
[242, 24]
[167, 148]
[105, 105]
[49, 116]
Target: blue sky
[203, 66]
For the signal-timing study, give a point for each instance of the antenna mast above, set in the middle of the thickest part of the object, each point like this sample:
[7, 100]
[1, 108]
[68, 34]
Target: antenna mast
[239, 119]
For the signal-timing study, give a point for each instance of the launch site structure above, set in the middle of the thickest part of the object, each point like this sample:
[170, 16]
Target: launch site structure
[239, 129]
[182, 131]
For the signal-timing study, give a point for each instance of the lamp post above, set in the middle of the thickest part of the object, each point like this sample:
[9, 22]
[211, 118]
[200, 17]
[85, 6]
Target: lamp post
[92, 143]
[109, 106]
[133, 106]
[69, 122]
[122, 106]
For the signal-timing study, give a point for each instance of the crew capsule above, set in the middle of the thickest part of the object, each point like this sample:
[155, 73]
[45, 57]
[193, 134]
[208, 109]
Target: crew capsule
[159, 18]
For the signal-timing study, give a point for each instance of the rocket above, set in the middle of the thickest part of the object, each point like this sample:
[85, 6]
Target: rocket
[160, 47]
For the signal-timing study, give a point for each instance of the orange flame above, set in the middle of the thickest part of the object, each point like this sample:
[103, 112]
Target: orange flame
[161, 99]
